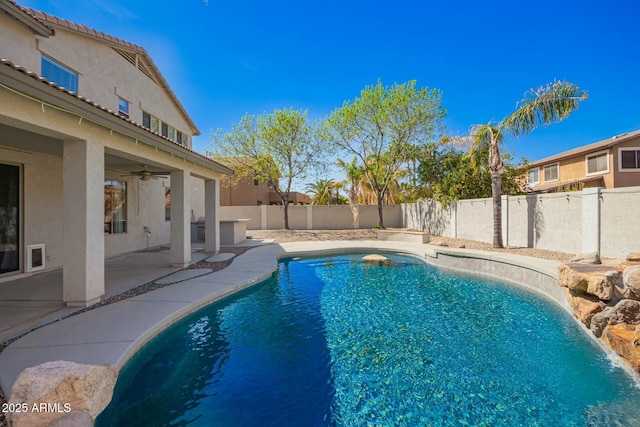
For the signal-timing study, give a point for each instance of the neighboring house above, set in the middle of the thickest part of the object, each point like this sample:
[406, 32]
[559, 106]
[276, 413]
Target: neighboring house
[91, 140]
[253, 192]
[612, 163]
[246, 192]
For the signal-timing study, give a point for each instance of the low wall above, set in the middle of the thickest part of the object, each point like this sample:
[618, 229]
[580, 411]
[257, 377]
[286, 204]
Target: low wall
[591, 220]
[313, 217]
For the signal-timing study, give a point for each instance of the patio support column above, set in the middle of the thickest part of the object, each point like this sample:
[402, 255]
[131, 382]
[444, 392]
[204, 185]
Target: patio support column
[180, 218]
[83, 222]
[212, 215]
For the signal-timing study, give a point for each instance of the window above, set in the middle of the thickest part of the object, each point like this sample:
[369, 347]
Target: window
[123, 107]
[629, 159]
[146, 120]
[256, 182]
[534, 176]
[115, 207]
[59, 74]
[597, 163]
[158, 126]
[551, 172]
[167, 203]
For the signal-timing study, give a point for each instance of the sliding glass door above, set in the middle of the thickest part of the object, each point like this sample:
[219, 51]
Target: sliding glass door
[9, 218]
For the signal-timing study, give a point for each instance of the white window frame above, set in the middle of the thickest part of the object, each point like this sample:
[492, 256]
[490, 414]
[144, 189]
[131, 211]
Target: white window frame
[557, 165]
[596, 154]
[528, 174]
[62, 68]
[620, 150]
[120, 110]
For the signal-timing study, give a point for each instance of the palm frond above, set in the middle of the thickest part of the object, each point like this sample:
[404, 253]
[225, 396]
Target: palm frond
[543, 106]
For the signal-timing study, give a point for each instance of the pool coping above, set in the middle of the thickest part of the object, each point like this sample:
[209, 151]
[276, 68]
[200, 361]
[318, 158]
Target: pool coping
[113, 333]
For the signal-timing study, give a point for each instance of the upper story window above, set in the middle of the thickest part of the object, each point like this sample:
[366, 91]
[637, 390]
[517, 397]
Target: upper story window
[597, 163]
[551, 172]
[59, 74]
[158, 126]
[123, 107]
[534, 176]
[629, 159]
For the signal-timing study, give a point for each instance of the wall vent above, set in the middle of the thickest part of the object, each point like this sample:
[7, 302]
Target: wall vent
[35, 257]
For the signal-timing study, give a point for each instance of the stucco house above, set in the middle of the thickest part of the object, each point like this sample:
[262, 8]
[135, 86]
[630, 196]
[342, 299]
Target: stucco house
[612, 163]
[91, 139]
[253, 192]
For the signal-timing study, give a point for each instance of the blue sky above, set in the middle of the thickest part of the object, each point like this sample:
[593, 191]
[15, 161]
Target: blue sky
[224, 58]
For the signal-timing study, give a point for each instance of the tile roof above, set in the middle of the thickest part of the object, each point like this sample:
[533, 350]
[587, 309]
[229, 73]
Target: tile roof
[54, 22]
[44, 81]
[600, 145]
[19, 13]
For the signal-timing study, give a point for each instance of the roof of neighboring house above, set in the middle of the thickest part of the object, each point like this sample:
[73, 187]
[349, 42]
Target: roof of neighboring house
[219, 166]
[600, 145]
[13, 9]
[559, 184]
[31, 17]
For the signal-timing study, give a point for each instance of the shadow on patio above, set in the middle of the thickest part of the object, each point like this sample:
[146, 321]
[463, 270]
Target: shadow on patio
[33, 301]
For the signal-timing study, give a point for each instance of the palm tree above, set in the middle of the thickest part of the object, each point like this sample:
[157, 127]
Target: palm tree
[320, 191]
[540, 107]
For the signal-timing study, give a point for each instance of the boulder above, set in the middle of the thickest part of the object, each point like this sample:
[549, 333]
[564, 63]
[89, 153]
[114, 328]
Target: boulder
[584, 306]
[439, 243]
[625, 340]
[631, 280]
[626, 311]
[376, 259]
[588, 258]
[65, 388]
[633, 257]
[598, 280]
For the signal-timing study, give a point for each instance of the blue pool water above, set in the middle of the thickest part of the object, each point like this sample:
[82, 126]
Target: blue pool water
[337, 342]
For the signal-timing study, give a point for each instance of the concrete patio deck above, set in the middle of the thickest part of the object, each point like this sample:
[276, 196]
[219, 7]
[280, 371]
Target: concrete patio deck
[113, 333]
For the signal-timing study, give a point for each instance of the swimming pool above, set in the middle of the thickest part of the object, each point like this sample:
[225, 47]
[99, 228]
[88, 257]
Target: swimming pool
[335, 341]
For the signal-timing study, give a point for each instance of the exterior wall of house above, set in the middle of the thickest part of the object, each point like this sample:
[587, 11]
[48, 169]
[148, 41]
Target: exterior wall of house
[104, 76]
[574, 169]
[17, 43]
[39, 153]
[245, 193]
[626, 178]
[41, 213]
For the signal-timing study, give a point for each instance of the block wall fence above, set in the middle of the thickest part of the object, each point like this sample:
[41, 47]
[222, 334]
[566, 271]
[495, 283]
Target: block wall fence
[591, 220]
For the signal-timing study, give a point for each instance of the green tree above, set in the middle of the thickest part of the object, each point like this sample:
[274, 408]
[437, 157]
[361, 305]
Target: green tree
[277, 148]
[540, 107]
[325, 192]
[450, 175]
[380, 126]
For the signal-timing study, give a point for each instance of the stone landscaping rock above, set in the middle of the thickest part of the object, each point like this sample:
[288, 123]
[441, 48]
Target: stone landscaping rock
[625, 340]
[439, 243]
[626, 311]
[66, 387]
[588, 258]
[633, 257]
[584, 306]
[597, 280]
[631, 280]
[375, 258]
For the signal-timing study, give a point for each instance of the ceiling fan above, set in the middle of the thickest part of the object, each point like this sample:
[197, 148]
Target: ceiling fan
[146, 175]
